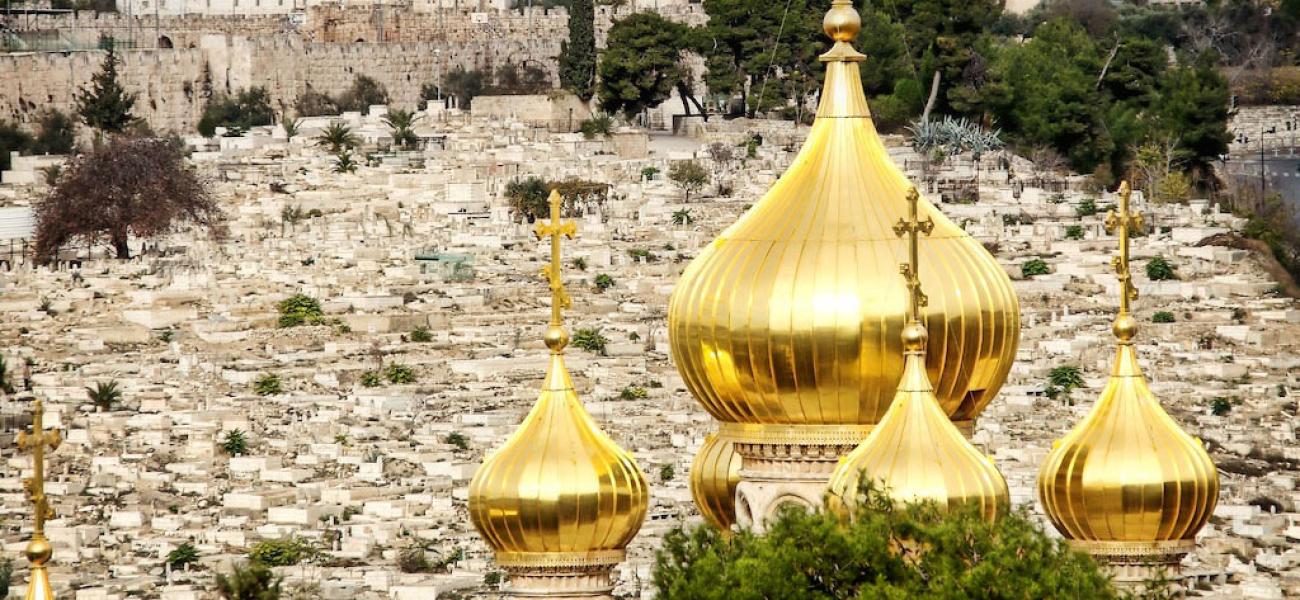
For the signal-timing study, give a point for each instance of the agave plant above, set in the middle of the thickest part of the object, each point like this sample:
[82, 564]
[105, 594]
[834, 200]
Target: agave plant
[402, 123]
[339, 136]
[104, 395]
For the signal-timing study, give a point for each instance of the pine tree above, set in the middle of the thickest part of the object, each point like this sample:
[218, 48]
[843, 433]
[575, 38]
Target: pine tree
[106, 106]
[578, 55]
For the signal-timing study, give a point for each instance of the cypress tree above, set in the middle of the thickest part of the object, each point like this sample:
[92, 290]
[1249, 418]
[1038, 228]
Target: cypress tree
[578, 55]
[106, 106]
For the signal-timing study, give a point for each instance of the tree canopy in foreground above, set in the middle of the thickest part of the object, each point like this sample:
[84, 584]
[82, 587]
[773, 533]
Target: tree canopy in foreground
[884, 551]
[127, 186]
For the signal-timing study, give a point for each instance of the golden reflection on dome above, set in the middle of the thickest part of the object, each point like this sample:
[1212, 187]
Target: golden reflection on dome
[559, 492]
[715, 473]
[915, 452]
[792, 315]
[1127, 474]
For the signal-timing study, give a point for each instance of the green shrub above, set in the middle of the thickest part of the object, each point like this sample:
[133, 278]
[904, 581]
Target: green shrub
[603, 282]
[421, 335]
[1159, 269]
[649, 173]
[640, 254]
[458, 440]
[364, 93]
[268, 385]
[580, 263]
[590, 339]
[527, 198]
[300, 309]
[884, 551]
[1074, 232]
[1033, 268]
[58, 134]
[413, 560]
[666, 473]
[249, 108]
[1087, 208]
[1162, 316]
[1220, 406]
[282, 553]
[633, 392]
[371, 379]
[398, 373]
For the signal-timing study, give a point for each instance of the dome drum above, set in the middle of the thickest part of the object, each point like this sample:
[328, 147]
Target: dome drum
[593, 581]
[1134, 565]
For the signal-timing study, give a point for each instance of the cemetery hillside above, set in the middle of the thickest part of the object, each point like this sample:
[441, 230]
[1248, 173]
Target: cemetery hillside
[649, 299]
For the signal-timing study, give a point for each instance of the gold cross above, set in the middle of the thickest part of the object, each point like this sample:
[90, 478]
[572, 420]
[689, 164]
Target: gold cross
[913, 227]
[36, 442]
[1125, 221]
[555, 229]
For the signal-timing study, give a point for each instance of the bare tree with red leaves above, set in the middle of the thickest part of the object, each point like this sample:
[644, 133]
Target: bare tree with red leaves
[131, 186]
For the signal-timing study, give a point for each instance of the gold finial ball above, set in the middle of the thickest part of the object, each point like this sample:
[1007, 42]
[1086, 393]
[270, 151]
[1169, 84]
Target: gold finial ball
[556, 338]
[914, 336]
[1125, 327]
[842, 22]
[39, 551]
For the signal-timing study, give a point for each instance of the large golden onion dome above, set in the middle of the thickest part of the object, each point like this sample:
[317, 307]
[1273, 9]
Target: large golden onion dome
[1127, 478]
[916, 453]
[559, 492]
[715, 473]
[792, 315]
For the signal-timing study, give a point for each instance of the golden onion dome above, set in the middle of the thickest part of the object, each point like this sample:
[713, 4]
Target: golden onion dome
[715, 473]
[1127, 474]
[559, 492]
[916, 453]
[792, 315]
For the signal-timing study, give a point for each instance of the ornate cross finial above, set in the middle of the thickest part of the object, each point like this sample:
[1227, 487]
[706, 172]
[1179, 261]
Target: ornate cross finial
[1125, 221]
[39, 549]
[555, 229]
[913, 227]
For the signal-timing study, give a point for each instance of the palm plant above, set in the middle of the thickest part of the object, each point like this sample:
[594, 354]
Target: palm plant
[402, 123]
[235, 443]
[344, 163]
[182, 555]
[339, 136]
[290, 126]
[104, 395]
[683, 217]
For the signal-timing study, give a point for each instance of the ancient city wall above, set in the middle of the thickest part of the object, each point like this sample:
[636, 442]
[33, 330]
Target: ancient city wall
[401, 49]
[329, 23]
[170, 83]
[167, 84]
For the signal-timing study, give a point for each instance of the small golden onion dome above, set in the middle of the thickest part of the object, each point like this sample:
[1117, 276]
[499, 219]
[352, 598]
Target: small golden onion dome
[714, 476]
[1127, 472]
[916, 453]
[559, 492]
[793, 315]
